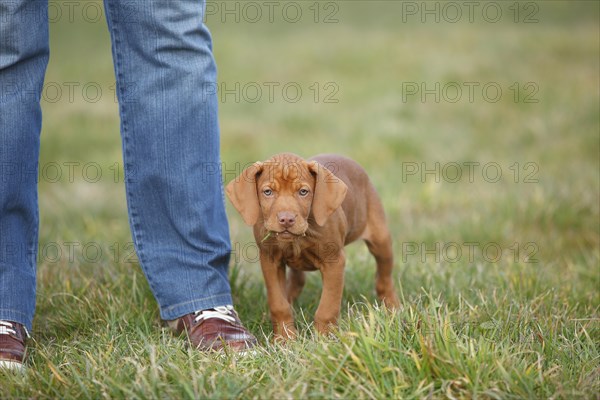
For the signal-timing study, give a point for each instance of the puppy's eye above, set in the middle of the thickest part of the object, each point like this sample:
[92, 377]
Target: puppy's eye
[303, 192]
[268, 192]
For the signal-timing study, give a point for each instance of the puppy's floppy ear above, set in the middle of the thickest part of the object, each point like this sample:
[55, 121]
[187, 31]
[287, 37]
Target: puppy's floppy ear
[242, 193]
[330, 192]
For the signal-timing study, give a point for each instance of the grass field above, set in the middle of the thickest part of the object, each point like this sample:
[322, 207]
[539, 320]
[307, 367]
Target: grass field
[499, 275]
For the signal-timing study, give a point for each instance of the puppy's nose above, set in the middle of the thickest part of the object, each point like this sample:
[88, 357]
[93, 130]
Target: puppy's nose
[286, 219]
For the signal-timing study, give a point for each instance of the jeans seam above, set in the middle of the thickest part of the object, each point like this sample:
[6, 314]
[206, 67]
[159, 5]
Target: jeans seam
[131, 208]
[35, 241]
[187, 280]
[162, 85]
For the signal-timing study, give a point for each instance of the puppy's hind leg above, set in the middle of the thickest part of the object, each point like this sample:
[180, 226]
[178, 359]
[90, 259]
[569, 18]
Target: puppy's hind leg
[379, 241]
[295, 283]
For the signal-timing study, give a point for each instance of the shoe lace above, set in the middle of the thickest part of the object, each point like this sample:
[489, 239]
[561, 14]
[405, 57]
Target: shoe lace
[224, 313]
[7, 328]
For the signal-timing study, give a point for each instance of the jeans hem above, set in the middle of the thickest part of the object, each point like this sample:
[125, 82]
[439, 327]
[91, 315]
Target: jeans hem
[7, 314]
[181, 309]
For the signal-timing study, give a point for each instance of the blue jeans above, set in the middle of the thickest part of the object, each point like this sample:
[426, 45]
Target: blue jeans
[162, 54]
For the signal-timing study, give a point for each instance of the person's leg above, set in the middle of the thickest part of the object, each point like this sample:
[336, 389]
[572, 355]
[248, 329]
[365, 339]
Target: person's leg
[24, 53]
[163, 61]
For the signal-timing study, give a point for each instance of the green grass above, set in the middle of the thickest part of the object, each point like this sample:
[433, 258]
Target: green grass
[477, 327]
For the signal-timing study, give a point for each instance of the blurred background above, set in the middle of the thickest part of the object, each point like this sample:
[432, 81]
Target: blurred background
[477, 123]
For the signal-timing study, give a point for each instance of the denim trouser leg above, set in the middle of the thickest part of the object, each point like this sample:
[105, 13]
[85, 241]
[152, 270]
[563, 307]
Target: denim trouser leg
[23, 59]
[163, 60]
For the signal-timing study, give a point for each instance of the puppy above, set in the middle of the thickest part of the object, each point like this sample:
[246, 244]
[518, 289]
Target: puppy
[304, 212]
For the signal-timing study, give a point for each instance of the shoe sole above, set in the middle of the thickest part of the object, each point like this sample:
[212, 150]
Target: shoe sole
[11, 365]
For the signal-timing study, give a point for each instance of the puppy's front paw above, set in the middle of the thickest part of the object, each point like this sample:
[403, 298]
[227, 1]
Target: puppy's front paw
[284, 332]
[391, 301]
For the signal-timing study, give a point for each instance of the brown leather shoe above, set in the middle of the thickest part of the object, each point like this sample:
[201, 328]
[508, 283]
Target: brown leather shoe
[215, 329]
[12, 345]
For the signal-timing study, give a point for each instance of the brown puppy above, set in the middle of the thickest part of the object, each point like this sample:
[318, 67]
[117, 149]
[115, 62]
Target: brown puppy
[304, 213]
